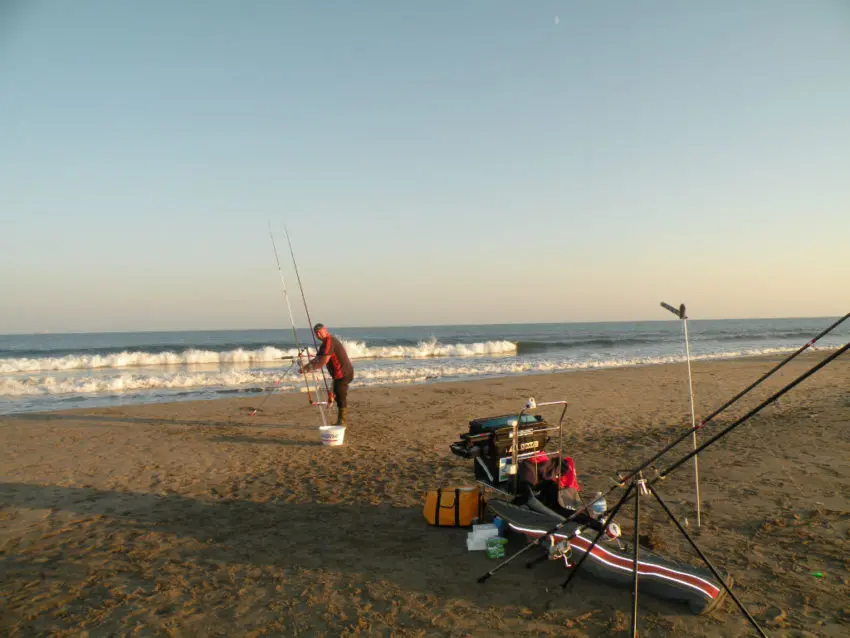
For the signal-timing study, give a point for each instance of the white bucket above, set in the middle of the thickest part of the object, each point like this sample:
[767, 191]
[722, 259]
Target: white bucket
[332, 434]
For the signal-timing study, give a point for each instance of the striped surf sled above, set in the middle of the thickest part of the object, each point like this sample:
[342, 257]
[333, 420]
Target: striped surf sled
[611, 563]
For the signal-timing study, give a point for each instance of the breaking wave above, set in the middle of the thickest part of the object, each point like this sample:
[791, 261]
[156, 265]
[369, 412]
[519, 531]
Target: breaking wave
[428, 349]
[266, 354]
[256, 380]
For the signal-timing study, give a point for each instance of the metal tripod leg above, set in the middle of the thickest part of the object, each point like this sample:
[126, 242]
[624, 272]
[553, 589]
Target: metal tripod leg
[706, 561]
[640, 489]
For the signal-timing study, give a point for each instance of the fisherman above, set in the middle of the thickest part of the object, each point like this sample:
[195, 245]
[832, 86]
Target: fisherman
[333, 354]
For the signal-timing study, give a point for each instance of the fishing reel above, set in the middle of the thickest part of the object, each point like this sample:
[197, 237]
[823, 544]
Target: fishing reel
[613, 533]
[560, 550]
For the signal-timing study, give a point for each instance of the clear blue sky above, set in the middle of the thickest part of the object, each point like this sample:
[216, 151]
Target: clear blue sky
[436, 162]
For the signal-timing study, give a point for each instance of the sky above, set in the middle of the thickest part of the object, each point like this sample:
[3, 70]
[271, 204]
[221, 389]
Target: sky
[441, 162]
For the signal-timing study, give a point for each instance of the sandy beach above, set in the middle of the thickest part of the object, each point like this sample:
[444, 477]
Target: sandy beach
[196, 519]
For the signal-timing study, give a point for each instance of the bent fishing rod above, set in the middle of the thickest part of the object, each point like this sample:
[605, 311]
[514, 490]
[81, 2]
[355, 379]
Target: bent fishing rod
[309, 319]
[633, 473]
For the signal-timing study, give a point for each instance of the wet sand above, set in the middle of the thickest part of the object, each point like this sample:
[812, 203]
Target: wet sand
[196, 519]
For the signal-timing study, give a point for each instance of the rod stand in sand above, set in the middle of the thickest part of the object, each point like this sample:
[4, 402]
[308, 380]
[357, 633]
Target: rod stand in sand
[640, 490]
[318, 402]
[682, 315]
[628, 482]
[705, 560]
[292, 323]
[642, 487]
[647, 463]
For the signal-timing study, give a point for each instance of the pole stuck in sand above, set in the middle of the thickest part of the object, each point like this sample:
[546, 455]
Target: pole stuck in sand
[682, 314]
[627, 482]
[310, 321]
[294, 331]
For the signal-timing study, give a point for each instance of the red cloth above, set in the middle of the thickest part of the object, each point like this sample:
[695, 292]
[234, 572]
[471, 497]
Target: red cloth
[339, 365]
[539, 457]
[546, 470]
[568, 477]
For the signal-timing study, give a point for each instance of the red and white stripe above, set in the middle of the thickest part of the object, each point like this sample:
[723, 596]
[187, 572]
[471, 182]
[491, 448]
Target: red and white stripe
[625, 564]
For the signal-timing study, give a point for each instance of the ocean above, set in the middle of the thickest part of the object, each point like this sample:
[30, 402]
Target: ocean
[42, 372]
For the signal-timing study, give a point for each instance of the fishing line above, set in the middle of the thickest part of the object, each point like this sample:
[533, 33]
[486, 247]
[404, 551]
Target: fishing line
[292, 323]
[307, 311]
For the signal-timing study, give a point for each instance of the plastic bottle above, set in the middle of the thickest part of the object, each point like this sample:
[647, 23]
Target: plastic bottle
[500, 525]
[597, 510]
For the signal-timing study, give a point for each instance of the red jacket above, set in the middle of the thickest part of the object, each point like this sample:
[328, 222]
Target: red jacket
[339, 365]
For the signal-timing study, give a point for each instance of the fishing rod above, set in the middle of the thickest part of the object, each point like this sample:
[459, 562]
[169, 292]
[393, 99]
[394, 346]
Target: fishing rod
[621, 483]
[624, 481]
[636, 488]
[747, 390]
[664, 473]
[715, 572]
[259, 408]
[638, 485]
[292, 322]
[809, 344]
[681, 313]
[309, 319]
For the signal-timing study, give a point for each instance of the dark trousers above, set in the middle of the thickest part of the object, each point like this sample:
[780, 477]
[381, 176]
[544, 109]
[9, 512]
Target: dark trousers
[341, 390]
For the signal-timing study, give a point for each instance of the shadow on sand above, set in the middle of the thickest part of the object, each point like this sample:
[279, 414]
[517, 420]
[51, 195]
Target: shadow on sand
[378, 542]
[264, 440]
[242, 421]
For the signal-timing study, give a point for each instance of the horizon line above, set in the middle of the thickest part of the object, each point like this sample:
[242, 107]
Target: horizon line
[426, 325]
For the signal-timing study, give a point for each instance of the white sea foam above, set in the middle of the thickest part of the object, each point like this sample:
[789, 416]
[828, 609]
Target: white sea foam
[23, 385]
[141, 359]
[355, 349]
[116, 384]
[428, 349]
